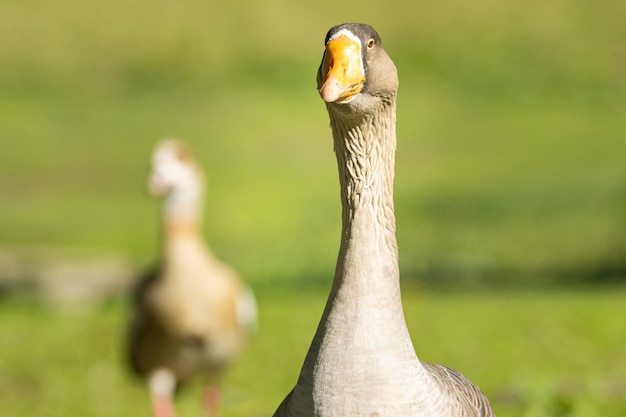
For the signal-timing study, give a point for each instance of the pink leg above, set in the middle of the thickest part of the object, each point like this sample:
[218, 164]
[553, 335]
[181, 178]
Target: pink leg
[162, 406]
[211, 400]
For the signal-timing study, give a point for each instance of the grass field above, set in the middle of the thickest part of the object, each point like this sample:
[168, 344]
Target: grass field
[509, 177]
[548, 355]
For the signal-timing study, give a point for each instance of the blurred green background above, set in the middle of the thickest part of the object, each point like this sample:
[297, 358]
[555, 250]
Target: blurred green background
[509, 175]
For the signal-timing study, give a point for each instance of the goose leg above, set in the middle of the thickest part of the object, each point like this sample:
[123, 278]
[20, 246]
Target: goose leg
[162, 406]
[211, 400]
[162, 383]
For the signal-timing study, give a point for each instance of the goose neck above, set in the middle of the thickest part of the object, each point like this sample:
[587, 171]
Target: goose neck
[365, 151]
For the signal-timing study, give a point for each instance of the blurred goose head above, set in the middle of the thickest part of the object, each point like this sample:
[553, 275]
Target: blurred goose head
[176, 176]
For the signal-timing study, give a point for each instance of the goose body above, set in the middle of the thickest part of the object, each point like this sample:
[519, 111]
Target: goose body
[361, 361]
[191, 315]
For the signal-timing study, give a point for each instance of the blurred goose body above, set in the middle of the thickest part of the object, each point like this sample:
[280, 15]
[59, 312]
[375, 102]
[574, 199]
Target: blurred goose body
[192, 314]
[361, 361]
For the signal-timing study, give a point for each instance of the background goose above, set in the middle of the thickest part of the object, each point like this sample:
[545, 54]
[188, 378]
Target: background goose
[361, 361]
[192, 314]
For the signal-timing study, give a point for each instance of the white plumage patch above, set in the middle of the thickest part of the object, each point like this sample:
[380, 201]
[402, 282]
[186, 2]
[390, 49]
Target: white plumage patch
[162, 382]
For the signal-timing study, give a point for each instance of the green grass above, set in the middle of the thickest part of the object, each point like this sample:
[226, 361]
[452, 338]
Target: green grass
[533, 354]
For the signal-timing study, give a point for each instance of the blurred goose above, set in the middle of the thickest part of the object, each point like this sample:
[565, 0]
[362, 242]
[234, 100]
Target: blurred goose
[191, 316]
[361, 361]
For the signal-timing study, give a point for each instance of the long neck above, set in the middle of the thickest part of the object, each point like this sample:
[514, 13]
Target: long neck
[366, 289]
[182, 225]
[365, 151]
[362, 336]
[361, 355]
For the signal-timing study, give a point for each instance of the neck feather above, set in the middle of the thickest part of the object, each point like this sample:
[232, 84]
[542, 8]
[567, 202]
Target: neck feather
[183, 208]
[182, 225]
[362, 336]
[365, 150]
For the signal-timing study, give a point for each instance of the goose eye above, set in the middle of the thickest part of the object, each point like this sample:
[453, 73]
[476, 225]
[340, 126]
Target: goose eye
[370, 44]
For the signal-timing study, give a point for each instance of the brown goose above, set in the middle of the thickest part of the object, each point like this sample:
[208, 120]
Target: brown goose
[191, 316]
[361, 361]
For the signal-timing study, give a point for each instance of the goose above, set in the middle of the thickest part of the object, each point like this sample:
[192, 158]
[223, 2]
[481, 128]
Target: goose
[361, 361]
[191, 315]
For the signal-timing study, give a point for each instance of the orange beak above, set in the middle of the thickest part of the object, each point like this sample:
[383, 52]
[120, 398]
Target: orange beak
[342, 70]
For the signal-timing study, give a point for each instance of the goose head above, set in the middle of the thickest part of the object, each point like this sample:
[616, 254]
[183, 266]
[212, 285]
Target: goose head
[356, 73]
[175, 174]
